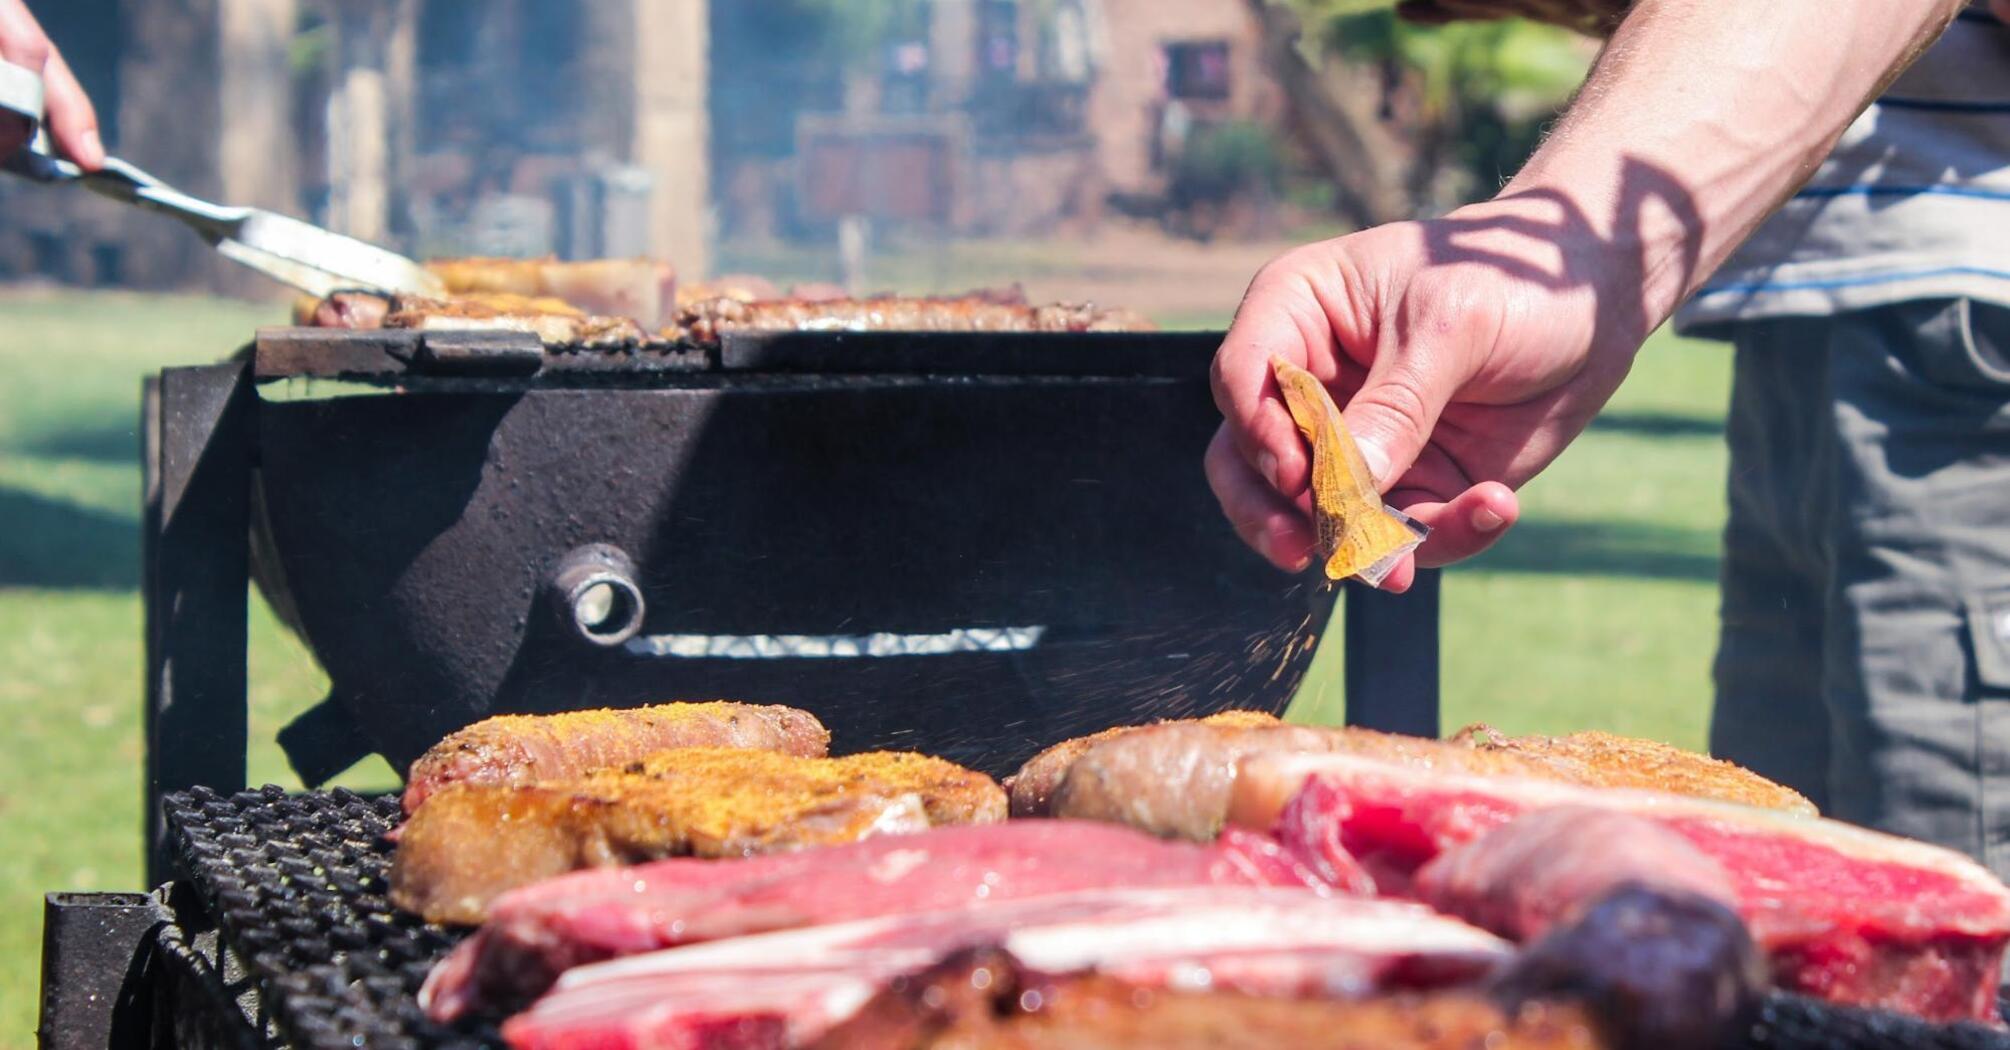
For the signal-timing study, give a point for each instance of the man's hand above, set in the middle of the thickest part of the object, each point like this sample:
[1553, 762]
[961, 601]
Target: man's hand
[1469, 351]
[73, 123]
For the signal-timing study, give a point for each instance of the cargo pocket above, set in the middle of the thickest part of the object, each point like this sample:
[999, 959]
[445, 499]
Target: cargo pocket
[1989, 639]
[1985, 345]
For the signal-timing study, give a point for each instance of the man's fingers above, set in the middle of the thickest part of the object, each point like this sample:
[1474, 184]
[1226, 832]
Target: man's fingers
[73, 121]
[1266, 521]
[1279, 317]
[22, 41]
[1394, 412]
[1469, 523]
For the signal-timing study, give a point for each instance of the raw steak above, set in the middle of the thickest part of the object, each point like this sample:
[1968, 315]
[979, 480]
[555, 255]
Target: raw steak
[537, 933]
[1845, 914]
[1543, 868]
[785, 989]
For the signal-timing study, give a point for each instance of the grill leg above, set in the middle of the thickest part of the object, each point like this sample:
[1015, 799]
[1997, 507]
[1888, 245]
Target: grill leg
[198, 428]
[1392, 657]
[97, 970]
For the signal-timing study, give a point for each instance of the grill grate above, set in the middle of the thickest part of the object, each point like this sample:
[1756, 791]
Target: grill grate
[296, 884]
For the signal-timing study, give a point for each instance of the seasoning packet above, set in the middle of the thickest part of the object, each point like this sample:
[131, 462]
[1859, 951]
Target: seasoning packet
[1359, 535]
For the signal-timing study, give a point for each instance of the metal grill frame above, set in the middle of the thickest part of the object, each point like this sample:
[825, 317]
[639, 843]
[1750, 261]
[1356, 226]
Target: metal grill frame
[200, 427]
[162, 969]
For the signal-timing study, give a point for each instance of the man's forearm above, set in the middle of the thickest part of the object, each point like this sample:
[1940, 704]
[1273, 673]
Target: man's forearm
[1699, 119]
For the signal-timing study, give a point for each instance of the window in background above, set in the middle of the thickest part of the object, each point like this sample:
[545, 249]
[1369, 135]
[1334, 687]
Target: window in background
[1197, 70]
[998, 39]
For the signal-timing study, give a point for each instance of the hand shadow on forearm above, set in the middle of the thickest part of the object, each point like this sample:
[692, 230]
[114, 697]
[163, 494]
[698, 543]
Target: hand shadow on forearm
[1641, 184]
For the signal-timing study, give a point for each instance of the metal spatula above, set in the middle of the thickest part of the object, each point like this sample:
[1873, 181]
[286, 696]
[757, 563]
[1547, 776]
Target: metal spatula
[290, 251]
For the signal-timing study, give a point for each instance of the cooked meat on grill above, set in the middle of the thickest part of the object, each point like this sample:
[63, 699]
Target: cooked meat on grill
[523, 749]
[554, 321]
[363, 311]
[984, 999]
[469, 843]
[1033, 786]
[1175, 778]
[789, 988]
[1618, 761]
[643, 290]
[742, 287]
[1542, 869]
[704, 321]
[538, 932]
[1842, 913]
[1661, 969]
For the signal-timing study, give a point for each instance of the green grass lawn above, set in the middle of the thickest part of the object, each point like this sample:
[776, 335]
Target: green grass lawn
[1597, 612]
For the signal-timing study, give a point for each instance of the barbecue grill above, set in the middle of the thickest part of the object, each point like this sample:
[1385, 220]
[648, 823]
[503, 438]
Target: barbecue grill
[472, 524]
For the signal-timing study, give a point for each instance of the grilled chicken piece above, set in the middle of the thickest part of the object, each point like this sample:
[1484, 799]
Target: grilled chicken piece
[983, 999]
[470, 843]
[1607, 760]
[1032, 788]
[705, 321]
[512, 750]
[1175, 779]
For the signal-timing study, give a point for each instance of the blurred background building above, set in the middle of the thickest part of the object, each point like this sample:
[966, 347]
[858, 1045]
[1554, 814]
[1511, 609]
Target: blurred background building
[586, 128]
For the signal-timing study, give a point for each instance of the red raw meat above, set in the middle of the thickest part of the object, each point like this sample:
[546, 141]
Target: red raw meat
[537, 933]
[1843, 913]
[784, 989]
[1543, 868]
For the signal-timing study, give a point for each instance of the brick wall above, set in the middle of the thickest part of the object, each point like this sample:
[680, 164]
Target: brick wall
[1129, 97]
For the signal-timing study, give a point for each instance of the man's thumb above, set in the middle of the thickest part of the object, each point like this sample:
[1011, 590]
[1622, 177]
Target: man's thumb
[1392, 418]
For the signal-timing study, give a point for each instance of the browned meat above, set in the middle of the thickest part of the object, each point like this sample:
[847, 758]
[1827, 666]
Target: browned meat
[470, 843]
[705, 321]
[1607, 760]
[644, 290]
[1033, 786]
[984, 1000]
[743, 287]
[523, 749]
[554, 321]
[362, 311]
[1175, 779]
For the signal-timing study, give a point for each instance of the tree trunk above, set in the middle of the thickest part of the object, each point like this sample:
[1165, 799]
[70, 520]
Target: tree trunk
[1334, 111]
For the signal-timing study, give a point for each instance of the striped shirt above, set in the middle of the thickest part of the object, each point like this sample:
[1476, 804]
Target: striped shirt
[1913, 204]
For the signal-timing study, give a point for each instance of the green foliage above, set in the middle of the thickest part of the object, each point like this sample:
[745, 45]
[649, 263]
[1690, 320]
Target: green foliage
[1227, 159]
[1482, 89]
[854, 31]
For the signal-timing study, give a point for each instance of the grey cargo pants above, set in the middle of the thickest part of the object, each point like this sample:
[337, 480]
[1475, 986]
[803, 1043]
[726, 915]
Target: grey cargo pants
[1865, 648]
